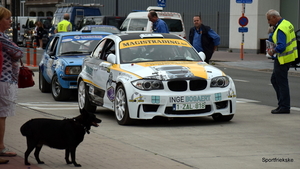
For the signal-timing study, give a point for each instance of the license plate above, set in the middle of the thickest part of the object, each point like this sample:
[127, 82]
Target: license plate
[189, 106]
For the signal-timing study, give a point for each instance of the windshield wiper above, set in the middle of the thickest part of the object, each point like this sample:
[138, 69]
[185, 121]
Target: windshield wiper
[73, 52]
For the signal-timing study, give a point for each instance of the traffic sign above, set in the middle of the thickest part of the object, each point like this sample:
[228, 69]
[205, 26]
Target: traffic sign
[244, 1]
[243, 29]
[161, 3]
[243, 21]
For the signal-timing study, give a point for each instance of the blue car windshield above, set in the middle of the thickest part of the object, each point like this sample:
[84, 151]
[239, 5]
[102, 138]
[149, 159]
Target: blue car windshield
[79, 44]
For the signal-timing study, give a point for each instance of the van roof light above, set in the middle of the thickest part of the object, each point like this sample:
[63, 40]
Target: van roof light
[155, 8]
[151, 35]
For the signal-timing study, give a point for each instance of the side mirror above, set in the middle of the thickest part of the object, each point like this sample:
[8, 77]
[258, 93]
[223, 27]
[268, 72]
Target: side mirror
[51, 54]
[111, 58]
[202, 55]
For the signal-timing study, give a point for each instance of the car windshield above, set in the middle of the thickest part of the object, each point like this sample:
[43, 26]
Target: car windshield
[79, 44]
[157, 50]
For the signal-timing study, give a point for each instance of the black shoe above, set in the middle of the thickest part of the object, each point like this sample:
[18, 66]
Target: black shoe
[280, 111]
[275, 109]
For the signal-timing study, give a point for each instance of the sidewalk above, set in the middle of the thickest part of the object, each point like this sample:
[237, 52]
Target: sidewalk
[250, 61]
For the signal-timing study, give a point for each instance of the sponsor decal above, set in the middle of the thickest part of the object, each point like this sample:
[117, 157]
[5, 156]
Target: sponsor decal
[175, 69]
[155, 99]
[111, 93]
[89, 70]
[171, 72]
[85, 37]
[143, 42]
[231, 93]
[186, 99]
[109, 88]
[218, 97]
[136, 97]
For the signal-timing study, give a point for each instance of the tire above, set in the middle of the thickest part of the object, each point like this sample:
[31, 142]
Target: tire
[221, 118]
[83, 100]
[121, 107]
[44, 86]
[59, 93]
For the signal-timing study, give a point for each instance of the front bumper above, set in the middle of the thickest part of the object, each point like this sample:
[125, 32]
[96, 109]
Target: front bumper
[148, 104]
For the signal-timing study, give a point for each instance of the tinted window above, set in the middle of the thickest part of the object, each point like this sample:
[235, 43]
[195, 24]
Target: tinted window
[114, 21]
[174, 25]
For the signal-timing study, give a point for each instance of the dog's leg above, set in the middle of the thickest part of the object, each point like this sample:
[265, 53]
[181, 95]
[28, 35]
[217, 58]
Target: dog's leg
[30, 146]
[67, 156]
[37, 153]
[73, 156]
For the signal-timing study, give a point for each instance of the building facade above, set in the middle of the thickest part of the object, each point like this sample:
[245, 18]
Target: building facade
[221, 15]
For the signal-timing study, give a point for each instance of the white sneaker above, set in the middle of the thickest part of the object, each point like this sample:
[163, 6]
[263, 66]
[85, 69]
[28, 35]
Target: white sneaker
[39, 48]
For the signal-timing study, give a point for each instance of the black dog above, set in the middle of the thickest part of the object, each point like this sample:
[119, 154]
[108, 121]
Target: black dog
[61, 134]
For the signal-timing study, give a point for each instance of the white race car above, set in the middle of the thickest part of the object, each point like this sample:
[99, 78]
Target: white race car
[140, 76]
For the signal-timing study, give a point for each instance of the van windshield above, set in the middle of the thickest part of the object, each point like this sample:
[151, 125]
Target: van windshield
[138, 25]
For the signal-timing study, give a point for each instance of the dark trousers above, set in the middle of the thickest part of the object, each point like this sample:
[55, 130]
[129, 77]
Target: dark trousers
[37, 41]
[279, 80]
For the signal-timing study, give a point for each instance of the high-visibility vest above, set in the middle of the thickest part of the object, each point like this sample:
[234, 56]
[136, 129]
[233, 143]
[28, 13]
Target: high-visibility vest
[64, 26]
[290, 53]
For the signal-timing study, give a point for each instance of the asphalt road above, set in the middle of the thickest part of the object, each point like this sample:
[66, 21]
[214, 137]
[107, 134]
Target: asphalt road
[256, 85]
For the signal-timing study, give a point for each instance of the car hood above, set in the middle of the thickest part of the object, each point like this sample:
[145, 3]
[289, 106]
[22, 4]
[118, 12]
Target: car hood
[172, 70]
[73, 60]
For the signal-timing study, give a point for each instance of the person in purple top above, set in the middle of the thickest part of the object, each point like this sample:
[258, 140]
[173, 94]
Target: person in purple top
[203, 38]
[159, 26]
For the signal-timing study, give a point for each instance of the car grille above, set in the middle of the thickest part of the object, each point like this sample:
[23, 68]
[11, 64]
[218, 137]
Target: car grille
[184, 85]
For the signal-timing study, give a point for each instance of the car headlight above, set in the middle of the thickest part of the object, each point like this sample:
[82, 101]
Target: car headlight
[73, 70]
[220, 81]
[148, 84]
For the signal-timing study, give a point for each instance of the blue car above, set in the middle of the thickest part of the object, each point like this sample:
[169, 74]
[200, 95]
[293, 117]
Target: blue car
[62, 60]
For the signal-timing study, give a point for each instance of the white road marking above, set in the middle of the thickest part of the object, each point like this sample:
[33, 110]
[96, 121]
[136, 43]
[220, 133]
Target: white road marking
[240, 80]
[242, 100]
[295, 108]
[50, 105]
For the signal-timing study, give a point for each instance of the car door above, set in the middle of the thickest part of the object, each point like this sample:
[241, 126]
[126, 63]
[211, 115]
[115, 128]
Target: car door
[92, 65]
[46, 63]
[102, 74]
[50, 59]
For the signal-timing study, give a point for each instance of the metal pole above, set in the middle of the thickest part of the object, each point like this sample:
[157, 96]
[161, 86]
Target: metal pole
[117, 7]
[15, 30]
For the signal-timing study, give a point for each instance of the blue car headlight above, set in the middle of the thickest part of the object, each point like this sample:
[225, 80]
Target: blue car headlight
[143, 84]
[73, 70]
[220, 81]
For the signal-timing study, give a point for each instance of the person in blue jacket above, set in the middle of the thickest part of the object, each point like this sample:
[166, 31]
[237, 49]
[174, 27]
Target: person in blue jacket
[159, 26]
[203, 38]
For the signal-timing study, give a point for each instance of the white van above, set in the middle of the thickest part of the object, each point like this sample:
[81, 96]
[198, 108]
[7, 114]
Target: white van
[138, 22]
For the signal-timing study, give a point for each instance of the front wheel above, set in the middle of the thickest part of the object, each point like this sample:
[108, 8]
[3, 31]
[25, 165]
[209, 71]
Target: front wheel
[83, 100]
[59, 93]
[221, 118]
[121, 107]
[44, 86]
